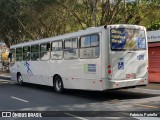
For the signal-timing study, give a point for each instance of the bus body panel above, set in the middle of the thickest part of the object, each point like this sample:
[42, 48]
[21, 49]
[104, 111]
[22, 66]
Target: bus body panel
[88, 74]
[128, 67]
[72, 74]
[75, 73]
[128, 64]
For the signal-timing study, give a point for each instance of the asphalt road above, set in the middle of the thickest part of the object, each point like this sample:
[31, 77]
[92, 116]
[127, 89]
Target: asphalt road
[41, 98]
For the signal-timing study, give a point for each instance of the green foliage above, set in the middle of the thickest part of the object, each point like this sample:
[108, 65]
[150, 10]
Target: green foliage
[10, 28]
[155, 26]
[24, 20]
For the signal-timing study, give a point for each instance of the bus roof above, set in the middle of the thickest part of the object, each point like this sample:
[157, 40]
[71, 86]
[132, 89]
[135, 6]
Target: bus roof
[71, 35]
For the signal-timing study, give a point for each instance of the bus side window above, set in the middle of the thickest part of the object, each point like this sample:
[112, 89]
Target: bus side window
[18, 54]
[12, 55]
[57, 50]
[71, 49]
[45, 51]
[26, 53]
[89, 46]
[35, 52]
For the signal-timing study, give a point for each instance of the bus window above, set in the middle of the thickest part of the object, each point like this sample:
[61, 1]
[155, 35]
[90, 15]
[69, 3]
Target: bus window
[89, 46]
[127, 39]
[45, 51]
[26, 53]
[12, 55]
[18, 54]
[71, 49]
[85, 41]
[35, 52]
[94, 40]
[57, 50]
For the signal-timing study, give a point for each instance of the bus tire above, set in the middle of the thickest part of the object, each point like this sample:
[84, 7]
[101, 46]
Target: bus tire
[19, 79]
[58, 84]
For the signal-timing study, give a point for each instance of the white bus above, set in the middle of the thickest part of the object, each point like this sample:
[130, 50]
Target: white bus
[100, 58]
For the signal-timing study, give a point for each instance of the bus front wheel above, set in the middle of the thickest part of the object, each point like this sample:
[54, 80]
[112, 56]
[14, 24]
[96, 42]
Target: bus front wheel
[19, 79]
[58, 84]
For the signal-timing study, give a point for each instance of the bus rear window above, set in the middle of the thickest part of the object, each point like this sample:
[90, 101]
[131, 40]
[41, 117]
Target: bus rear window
[127, 39]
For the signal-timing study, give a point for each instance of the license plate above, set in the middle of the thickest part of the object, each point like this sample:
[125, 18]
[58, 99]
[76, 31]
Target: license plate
[131, 76]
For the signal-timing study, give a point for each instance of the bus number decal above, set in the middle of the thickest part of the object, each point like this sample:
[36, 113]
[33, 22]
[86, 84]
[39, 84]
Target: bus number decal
[140, 57]
[90, 68]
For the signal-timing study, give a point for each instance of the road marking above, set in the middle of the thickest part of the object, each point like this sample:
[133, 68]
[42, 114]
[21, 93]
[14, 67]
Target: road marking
[81, 118]
[19, 99]
[147, 106]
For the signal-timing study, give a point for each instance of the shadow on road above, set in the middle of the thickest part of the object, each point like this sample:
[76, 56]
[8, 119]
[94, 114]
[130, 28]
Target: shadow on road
[96, 95]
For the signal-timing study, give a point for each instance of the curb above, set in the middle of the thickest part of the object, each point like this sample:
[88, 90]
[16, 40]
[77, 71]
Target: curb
[5, 77]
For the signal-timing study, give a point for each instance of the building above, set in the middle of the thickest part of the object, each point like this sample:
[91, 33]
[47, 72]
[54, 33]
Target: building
[4, 51]
[154, 55]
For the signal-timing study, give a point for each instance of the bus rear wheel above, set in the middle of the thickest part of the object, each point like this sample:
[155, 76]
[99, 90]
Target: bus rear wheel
[19, 79]
[58, 84]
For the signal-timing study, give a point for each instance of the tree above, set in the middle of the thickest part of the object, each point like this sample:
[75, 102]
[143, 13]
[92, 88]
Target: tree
[25, 20]
[30, 20]
[155, 26]
[10, 28]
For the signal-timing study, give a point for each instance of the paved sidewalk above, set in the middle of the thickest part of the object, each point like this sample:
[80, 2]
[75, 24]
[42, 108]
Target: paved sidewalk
[5, 75]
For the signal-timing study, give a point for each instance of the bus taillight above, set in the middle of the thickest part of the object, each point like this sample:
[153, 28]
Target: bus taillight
[109, 71]
[109, 66]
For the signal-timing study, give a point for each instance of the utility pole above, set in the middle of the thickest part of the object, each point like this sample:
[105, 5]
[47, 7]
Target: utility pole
[94, 12]
[125, 13]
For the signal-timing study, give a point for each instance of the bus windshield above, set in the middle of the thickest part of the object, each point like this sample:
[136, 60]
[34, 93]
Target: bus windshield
[127, 39]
